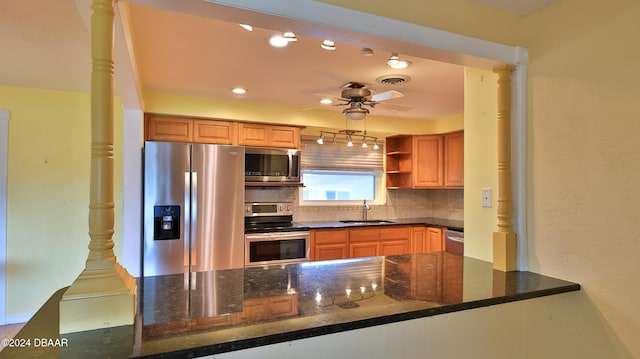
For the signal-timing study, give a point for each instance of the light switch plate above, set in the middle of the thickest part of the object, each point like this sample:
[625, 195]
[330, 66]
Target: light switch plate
[486, 197]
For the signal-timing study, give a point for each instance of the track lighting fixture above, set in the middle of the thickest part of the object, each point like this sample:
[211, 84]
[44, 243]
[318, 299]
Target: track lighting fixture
[349, 135]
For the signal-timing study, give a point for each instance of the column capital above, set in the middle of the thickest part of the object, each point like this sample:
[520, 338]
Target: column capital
[504, 68]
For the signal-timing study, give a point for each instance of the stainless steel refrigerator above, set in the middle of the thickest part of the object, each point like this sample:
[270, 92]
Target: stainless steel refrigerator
[194, 224]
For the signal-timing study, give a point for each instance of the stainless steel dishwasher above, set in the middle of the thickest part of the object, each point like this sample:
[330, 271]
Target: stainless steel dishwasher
[454, 241]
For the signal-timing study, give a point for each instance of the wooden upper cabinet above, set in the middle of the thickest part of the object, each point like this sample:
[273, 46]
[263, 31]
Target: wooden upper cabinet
[219, 132]
[202, 130]
[428, 163]
[425, 161]
[262, 135]
[285, 136]
[454, 159]
[167, 128]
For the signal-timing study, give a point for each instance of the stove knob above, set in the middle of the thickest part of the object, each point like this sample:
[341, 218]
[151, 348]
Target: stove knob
[288, 208]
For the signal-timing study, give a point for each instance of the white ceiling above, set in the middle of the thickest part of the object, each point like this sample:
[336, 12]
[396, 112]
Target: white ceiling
[46, 44]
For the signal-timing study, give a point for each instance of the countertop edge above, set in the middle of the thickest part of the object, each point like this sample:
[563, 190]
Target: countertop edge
[360, 324]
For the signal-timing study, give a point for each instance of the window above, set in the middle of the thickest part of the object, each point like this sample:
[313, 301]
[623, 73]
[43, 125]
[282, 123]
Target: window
[338, 185]
[334, 174]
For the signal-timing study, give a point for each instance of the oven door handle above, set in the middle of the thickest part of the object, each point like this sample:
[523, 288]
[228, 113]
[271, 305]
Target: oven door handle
[282, 235]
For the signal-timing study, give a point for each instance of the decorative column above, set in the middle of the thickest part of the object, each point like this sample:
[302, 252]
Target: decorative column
[104, 294]
[504, 238]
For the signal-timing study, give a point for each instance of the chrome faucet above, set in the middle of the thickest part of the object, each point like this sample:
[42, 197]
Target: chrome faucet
[365, 209]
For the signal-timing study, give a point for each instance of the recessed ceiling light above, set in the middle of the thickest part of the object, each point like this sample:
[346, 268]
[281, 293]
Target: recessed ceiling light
[290, 36]
[246, 27]
[328, 45]
[239, 90]
[326, 101]
[278, 41]
[366, 51]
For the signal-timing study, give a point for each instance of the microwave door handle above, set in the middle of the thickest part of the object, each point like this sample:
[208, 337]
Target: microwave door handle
[290, 165]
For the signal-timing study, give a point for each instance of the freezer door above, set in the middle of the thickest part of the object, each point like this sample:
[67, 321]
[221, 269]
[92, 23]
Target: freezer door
[166, 183]
[217, 214]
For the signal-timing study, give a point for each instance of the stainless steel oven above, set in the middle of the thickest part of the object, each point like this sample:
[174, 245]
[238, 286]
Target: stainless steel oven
[271, 237]
[276, 248]
[271, 165]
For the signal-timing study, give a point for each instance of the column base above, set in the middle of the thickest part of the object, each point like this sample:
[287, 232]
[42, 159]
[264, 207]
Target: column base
[504, 251]
[99, 299]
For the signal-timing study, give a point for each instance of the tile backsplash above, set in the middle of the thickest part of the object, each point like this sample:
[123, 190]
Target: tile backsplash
[401, 203]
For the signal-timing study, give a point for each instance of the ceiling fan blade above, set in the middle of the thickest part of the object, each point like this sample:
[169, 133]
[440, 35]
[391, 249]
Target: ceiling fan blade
[393, 106]
[387, 95]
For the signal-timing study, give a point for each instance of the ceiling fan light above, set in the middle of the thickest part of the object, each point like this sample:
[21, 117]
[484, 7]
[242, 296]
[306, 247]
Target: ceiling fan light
[326, 101]
[355, 113]
[328, 45]
[239, 90]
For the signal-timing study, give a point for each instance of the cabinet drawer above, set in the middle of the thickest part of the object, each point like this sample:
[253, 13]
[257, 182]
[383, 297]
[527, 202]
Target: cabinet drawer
[364, 235]
[330, 237]
[399, 232]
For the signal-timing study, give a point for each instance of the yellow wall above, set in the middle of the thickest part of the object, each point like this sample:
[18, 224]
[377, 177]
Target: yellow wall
[164, 103]
[48, 193]
[480, 161]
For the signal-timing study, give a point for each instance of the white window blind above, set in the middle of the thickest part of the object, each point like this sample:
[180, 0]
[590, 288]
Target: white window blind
[337, 156]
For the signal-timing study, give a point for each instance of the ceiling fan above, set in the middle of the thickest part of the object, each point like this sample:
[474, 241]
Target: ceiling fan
[357, 95]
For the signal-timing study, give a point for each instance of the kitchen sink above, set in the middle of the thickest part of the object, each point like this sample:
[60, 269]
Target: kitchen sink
[368, 221]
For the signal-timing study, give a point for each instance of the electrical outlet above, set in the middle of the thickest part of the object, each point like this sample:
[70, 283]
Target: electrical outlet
[486, 197]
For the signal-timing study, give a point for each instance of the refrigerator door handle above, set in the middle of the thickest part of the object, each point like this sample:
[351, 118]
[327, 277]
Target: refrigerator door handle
[193, 221]
[187, 218]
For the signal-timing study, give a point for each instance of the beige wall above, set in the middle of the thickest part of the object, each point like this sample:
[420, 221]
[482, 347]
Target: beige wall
[584, 155]
[48, 194]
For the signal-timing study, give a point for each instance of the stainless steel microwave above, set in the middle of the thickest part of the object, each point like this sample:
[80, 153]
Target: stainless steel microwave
[271, 165]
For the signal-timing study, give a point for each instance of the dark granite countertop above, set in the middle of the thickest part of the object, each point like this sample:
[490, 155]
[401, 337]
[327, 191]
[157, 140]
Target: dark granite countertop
[417, 221]
[284, 303]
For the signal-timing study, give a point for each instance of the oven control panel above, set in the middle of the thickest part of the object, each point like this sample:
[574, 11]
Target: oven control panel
[268, 209]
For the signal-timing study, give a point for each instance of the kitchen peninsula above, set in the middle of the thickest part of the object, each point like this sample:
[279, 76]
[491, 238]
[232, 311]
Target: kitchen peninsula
[321, 298]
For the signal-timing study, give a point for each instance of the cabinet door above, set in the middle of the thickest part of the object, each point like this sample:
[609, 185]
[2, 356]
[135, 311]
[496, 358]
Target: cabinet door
[218, 132]
[428, 162]
[364, 249]
[435, 239]
[454, 159]
[395, 240]
[286, 137]
[393, 247]
[329, 244]
[252, 134]
[419, 242]
[166, 128]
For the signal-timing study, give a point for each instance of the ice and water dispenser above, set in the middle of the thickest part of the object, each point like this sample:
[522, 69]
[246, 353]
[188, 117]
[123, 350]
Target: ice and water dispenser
[166, 222]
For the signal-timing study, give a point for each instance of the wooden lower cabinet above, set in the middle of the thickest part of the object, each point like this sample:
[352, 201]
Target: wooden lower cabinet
[435, 239]
[427, 239]
[329, 244]
[364, 242]
[395, 240]
[267, 308]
